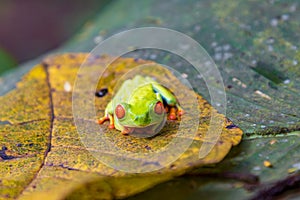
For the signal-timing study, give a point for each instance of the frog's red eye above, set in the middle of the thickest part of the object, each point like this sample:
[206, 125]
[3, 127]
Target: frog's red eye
[120, 111]
[159, 108]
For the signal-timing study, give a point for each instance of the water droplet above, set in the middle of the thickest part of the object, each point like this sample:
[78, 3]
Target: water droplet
[284, 140]
[226, 47]
[293, 8]
[296, 165]
[184, 75]
[295, 62]
[67, 87]
[98, 39]
[197, 28]
[285, 17]
[217, 49]
[270, 40]
[287, 81]
[218, 56]
[274, 22]
[256, 168]
[214, 44]
[227, 56]
[270, 48]
[293, 47]
[199, 76]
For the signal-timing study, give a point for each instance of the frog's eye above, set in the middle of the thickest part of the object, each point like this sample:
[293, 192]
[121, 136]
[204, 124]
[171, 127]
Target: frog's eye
[159, 108]
[120, 111]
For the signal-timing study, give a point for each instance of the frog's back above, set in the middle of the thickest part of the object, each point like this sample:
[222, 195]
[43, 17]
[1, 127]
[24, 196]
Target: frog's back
[130, 86]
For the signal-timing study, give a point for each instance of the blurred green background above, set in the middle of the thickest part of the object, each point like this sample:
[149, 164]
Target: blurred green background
[32, 27]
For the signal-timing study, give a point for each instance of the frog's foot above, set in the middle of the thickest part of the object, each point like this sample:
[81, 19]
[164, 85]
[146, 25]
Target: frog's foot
[109, 118]
[126, 131]
[180, 111]
[174, 112]
[103, 119]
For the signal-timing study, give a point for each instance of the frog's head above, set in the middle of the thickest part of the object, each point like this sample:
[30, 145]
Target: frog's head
[142, 117]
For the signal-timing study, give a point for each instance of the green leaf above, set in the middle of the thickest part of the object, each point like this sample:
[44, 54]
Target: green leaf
[240, 175]
[6, 61]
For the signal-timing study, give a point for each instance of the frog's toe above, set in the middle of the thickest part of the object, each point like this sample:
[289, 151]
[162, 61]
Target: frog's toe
[125, 132]
[180, 112]
[102, 120]
[111, 126]
[172, 116]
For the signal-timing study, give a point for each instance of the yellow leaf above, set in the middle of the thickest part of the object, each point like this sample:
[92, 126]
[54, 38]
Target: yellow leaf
[42, 155]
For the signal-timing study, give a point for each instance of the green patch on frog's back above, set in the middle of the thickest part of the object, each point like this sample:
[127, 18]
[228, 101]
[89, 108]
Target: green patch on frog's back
[133, 88]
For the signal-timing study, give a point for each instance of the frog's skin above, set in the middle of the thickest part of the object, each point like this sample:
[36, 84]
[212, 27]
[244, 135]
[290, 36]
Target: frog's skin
[141, 106]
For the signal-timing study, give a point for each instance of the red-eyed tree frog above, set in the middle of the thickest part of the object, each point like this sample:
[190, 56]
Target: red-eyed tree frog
[140, 106]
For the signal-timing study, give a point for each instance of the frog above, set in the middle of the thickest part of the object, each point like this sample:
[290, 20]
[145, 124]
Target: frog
[142, 106]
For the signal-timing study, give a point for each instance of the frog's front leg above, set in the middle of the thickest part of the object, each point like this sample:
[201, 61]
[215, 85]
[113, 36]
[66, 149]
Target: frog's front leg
[108, 116]
[174, 108]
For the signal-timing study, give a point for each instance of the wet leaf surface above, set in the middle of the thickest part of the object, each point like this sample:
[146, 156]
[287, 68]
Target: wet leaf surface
[241, 175]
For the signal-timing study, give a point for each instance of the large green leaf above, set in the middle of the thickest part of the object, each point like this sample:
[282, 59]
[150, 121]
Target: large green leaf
[241, 175]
